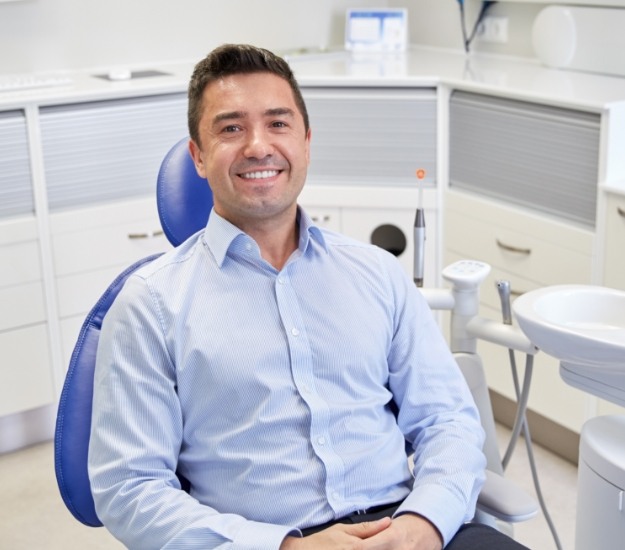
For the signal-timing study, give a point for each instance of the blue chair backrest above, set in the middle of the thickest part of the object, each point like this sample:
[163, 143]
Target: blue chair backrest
[73, 421]
[184, 202]
[183, 209]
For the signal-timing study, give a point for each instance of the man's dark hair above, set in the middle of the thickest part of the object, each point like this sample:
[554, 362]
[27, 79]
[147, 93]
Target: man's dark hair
[233, 59]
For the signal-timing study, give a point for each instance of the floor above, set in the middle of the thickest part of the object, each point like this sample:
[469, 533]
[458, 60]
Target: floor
[32, 515]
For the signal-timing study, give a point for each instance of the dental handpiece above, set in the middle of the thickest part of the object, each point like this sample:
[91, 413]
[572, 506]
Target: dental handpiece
[503, 289]
[419, 247]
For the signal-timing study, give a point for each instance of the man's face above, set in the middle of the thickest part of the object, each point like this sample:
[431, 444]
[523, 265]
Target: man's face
[254, 148]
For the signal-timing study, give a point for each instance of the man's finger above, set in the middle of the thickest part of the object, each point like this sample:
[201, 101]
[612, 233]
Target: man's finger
[367, 529]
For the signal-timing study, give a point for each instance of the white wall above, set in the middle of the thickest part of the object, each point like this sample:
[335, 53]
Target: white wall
[38, 35]
[437, 23]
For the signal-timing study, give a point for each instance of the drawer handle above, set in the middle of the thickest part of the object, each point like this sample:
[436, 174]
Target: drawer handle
[156, 233]
[516, 249]
[620, 211]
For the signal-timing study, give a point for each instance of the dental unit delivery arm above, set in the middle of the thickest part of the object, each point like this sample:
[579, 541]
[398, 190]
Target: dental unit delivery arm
[500, 497]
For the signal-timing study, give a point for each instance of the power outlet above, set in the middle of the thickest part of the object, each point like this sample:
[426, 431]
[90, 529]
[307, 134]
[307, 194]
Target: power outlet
[493, 29]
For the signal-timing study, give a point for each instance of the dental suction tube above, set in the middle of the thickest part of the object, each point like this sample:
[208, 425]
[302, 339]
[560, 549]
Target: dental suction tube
[419, 247]
[503, 289]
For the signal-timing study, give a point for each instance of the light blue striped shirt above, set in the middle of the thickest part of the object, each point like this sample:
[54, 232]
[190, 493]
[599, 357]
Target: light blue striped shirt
[270, 392]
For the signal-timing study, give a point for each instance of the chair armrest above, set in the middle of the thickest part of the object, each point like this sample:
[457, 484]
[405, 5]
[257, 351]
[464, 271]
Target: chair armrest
[505, 500]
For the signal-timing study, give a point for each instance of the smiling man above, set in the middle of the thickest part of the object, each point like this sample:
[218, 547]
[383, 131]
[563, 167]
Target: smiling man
[254, 148]
[281, 368]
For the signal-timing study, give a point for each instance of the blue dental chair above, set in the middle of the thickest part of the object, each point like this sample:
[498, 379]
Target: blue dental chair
[184, 201]
[183, 210]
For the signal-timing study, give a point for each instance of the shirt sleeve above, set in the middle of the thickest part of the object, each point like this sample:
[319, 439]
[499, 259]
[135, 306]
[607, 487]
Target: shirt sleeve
[437, 414]
[136, 435]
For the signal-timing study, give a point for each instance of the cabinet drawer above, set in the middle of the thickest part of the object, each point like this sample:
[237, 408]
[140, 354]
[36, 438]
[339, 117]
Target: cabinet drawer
[22, 299]
[614, 265]
[78, 293]
[540, 251]
[25, 371]
[22, 305]
[20, 263]
[106, 246]
[100, 238]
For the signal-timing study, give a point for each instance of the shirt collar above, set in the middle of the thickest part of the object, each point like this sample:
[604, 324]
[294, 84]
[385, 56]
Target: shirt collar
[220, 234]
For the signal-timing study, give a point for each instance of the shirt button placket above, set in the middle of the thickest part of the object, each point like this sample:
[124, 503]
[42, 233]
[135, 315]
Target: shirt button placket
[303, 377]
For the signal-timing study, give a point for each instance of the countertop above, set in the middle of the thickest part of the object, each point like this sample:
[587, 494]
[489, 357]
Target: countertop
[522, 79]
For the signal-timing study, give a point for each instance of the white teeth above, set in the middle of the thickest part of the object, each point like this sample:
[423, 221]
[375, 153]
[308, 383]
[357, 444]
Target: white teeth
[260, 174]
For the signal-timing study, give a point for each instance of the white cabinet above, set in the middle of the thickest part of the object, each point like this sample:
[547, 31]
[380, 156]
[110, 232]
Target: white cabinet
[372, 136]
[383, 216]
[101, 161]
[368, 145]
[96, 167]
[108, 150]
[392, 229]
[614, 265]
[523, 197]
[26, 370]
[91, 246]
[539, 157]
[530, 251]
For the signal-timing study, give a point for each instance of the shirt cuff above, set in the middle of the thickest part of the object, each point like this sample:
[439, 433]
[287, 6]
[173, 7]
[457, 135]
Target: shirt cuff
[439, 506]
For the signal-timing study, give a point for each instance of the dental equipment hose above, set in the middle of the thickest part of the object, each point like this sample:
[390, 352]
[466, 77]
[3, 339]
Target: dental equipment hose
[520, 423]
[467, 37]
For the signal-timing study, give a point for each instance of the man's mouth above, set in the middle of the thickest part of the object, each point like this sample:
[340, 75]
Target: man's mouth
[260, 174]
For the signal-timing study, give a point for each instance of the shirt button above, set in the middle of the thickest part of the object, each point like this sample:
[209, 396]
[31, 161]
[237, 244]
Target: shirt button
[294, 332]
[321, 440]
[336, 496]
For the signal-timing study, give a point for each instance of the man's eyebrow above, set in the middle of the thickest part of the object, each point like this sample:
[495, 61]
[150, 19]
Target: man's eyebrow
[238, 115]
[280, 111]
[229, 115]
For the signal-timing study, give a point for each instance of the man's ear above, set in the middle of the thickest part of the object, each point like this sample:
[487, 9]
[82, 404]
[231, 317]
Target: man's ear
[196, 155]
[308, 138]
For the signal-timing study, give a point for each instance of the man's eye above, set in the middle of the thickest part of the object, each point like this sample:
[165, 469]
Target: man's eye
[279, 124]
[230, 129]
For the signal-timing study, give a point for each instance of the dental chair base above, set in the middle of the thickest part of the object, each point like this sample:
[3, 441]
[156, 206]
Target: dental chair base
[600, 519]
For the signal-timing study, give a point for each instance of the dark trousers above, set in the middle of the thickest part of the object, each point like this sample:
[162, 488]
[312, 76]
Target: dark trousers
[475, 536]
[471, 536]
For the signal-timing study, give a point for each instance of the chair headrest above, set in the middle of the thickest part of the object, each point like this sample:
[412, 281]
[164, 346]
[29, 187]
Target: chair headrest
[184, 199]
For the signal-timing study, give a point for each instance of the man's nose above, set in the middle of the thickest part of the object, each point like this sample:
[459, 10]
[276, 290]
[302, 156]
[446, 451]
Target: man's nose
[259, 144]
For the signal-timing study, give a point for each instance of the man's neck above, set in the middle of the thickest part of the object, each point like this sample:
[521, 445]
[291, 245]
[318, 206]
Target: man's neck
[277, 237]
[276, 244]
